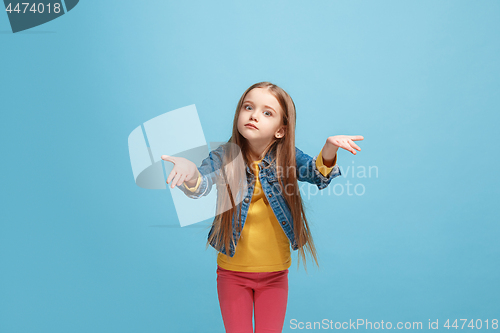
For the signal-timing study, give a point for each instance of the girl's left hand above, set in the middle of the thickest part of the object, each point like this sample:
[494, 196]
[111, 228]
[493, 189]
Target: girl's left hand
[345, 141]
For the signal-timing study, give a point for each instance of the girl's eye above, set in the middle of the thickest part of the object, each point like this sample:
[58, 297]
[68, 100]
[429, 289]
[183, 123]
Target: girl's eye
[269, 113]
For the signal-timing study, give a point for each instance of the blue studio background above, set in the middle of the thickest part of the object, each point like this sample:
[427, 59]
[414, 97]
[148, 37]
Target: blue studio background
[84, 249]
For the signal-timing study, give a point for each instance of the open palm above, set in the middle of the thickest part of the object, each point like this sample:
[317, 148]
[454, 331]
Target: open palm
[184, 170]
[346, 142]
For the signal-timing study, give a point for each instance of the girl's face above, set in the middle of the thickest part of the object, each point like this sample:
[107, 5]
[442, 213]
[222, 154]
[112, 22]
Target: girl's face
[262, 110]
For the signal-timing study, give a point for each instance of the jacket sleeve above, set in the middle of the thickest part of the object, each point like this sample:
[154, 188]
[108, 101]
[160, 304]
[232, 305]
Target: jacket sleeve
[208, 172]
[308, 169]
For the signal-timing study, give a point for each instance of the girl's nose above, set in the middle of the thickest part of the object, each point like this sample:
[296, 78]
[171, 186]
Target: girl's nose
[254, 116]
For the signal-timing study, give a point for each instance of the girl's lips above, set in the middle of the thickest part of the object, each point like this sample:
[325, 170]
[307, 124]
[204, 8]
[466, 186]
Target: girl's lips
[250, 126]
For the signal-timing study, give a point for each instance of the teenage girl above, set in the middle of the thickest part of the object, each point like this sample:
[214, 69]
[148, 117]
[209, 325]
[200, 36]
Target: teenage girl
[253, 262]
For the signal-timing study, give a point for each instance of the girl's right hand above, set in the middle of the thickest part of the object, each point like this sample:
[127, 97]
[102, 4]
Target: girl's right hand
[184, 170]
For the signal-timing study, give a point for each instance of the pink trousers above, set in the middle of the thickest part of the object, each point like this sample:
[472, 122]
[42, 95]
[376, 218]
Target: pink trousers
[242, 292]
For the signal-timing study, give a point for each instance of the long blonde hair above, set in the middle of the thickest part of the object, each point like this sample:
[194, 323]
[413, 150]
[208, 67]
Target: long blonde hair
[284, 157]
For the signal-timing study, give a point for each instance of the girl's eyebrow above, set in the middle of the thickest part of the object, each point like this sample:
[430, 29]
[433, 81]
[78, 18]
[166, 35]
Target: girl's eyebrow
[267, 106]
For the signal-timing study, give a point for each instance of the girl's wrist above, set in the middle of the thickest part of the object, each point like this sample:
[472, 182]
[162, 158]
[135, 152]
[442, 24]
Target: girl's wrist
[328, 153]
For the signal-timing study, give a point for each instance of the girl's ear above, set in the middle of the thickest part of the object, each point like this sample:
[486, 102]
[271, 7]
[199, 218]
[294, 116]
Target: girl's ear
[280, 133]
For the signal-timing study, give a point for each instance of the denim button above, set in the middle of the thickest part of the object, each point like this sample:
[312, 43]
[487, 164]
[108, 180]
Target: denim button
[270, 195]
[247, 200]
[283, 222]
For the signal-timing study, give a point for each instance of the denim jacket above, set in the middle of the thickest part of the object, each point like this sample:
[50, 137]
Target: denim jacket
[307, 171]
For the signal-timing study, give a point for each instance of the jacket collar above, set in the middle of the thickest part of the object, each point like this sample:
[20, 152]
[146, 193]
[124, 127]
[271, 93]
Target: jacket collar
[265, 161]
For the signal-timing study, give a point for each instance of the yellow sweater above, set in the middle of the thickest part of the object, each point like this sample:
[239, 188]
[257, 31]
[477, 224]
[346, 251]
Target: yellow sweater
[263, 245]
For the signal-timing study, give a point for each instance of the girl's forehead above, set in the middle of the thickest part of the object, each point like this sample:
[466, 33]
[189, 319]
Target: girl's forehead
[260, 93]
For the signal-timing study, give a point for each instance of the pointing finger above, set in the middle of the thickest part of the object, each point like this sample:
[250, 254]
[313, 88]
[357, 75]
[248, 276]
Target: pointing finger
[356, 137]
[167, 158]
